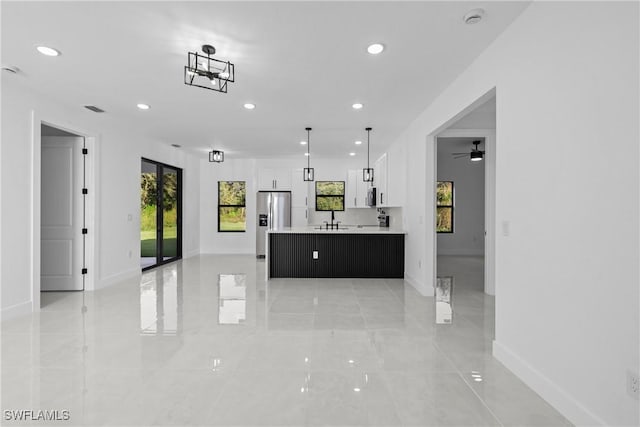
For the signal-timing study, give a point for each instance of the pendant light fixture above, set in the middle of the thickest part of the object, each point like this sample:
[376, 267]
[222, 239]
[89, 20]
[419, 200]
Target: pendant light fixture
[207, 72]
[308, 172]
[216, 156]
[367, 173]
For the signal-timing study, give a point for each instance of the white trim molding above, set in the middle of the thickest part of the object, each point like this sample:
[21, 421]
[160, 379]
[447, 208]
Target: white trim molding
[120, 277]
[16, 310]
[556, 396]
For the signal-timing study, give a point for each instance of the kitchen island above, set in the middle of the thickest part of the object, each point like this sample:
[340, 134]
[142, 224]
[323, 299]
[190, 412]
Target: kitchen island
[367, 252]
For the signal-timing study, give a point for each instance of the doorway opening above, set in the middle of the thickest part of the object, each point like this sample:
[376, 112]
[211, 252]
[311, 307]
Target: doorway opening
[472, 181]
[160, 214]
[63, 210]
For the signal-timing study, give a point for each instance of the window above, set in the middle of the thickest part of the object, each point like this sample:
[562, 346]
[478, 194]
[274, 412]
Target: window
[444, 207]
[232, 213]
[329, 195]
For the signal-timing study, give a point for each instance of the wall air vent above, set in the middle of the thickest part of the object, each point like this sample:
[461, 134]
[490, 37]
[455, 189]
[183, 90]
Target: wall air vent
[94, 108]
[10, 68]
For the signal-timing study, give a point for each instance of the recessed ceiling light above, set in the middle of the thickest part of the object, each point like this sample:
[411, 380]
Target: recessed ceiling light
[352, 154]
[358, 142]
[48, 51]
[357, 106]
[375, 48]
[303, 142]
[249, 106]
[143, 106]
[306, 154]
[473, 16]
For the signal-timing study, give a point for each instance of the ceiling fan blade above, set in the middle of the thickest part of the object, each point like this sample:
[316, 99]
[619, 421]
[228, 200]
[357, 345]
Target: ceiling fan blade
[455, 154]
[461, 156]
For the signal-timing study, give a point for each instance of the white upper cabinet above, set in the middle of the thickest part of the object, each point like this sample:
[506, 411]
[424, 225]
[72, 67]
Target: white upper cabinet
[390, 178]
[380, 181]
[356, 191]
[299, 190]
[270, 179]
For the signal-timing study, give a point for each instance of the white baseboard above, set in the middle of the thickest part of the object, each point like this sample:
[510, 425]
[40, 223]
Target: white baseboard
[420, 287]
[17, 310]
[546, 388]
[191, 254]
[119, 277]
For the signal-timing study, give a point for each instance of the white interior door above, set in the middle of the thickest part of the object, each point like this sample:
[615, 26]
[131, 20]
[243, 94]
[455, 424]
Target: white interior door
[61, 215]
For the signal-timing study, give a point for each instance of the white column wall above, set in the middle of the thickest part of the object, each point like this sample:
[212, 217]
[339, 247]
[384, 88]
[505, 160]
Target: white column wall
[566, 79]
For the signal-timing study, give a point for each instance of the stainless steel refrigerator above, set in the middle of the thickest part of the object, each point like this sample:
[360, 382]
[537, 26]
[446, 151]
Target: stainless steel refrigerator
[273, 213]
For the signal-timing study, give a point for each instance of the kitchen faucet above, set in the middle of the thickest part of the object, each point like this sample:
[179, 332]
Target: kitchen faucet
[333, 218]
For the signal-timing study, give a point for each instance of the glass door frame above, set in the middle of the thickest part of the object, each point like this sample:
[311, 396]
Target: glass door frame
[160, 169]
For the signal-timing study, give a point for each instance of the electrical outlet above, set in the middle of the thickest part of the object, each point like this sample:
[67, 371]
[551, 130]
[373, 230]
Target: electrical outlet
[633, 385]
[315, 254]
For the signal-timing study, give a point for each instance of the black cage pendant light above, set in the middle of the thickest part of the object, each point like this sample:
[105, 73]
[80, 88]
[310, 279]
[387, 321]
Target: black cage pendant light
[367, 173]
[216, 156]
[207, 72]
[308, 172]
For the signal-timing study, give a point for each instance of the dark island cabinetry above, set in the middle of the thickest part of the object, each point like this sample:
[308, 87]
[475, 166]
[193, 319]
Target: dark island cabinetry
[346, 255]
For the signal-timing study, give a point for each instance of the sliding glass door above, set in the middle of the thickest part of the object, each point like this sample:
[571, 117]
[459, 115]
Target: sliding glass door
[160, 214]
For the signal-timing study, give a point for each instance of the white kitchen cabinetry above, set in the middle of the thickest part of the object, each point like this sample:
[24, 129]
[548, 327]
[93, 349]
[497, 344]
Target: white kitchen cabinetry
[356, 192]
[299, 190]
[380, 181]
[299, 200]
[274, 179]
[299, 217]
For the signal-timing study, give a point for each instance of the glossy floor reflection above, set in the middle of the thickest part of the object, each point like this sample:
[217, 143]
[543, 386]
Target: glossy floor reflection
[207, 341]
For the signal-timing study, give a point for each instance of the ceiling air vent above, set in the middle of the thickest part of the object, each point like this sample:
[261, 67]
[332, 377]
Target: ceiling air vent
[94, 108]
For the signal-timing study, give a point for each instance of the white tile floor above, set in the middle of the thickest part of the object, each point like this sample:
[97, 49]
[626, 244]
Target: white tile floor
[185, 346]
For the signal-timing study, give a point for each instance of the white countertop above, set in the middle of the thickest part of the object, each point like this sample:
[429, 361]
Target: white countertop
[348, 229]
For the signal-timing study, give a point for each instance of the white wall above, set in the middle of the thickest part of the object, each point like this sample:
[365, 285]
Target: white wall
[231, 169]
[468, 184]
[212, 241]
[566, 79]
[118, 156]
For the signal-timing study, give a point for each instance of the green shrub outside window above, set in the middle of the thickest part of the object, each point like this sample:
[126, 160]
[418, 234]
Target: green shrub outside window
[444, 207]
[232, 210]
[329, 195]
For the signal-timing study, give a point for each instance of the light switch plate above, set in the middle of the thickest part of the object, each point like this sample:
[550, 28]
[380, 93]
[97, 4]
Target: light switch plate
[506, 228]
[315, 254]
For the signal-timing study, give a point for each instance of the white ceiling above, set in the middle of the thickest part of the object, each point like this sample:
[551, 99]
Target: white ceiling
[302, 64]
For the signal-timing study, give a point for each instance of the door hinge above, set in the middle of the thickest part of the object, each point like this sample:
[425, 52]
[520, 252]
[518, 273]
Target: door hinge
[84, 271]
[85, 191]
[85, 231]
[85, 151]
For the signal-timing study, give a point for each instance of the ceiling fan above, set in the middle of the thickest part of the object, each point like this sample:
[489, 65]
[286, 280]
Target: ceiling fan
[475, 155]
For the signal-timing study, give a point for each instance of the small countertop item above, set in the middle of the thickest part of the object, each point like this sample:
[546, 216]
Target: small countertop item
[348, 229]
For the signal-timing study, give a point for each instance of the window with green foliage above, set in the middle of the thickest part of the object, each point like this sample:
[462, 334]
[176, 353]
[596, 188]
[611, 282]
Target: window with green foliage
[329, 195]
[232, 212]
[444, 207]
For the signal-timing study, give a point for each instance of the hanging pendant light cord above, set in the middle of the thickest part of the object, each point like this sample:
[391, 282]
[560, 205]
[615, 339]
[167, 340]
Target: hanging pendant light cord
[308, 149]
[368, 131]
